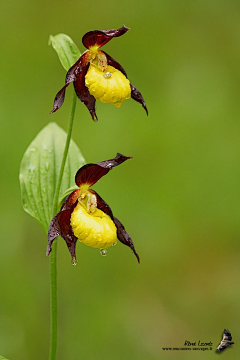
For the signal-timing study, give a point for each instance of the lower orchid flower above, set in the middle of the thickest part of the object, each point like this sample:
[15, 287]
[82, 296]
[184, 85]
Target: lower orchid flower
[96, 75]
[84, 215]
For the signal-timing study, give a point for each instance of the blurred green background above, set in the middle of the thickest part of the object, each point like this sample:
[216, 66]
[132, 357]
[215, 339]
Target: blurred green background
[178, 197]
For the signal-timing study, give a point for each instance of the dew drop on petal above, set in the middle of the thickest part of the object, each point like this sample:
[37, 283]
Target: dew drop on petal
[107, 75]
[74, 261]
[25, 205]
[114, 244]
[103, 252]
[47, 166]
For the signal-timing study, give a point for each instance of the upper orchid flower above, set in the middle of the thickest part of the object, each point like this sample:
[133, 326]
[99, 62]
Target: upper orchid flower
[96, 75]
[84, 215]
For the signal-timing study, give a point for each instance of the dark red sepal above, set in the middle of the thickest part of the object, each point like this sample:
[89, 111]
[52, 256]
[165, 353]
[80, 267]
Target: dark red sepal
[60, 225]
[83, 94]
[124, 237]
[101, 37]
[119, 159]
[136, 95]
[89, 174]
[70, 77]
[115, 64]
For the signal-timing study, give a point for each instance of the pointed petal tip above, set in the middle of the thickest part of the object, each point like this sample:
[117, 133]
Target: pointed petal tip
[125, 27]
[135, 253]
[53, 110]
[48, 250]
[137, 96]
[94, 117]
[122, 157]
[74, 261]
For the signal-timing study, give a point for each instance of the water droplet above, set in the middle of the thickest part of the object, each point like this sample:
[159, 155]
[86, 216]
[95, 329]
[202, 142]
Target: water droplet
[33, 149]
[47, 166]
[44, 189]
[103, 252]
[114, 244]
[74, 261]
[31, 169]
[107, 75]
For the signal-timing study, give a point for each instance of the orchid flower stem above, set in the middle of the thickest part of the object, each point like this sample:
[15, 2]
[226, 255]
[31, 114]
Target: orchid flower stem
[53, 266]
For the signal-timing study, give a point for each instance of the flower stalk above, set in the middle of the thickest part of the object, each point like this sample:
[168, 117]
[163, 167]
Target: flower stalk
[53, 263]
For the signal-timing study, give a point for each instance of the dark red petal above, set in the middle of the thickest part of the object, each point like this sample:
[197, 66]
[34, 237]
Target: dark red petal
[60, 225]
[83, 94]
[78, 66]
[115, 64]
[70, 77]
[124, 237]
[59, 99]
[89, 174]
[70, 200]
[101, 37]
[136, 95]
[53, 232]
[102, 205]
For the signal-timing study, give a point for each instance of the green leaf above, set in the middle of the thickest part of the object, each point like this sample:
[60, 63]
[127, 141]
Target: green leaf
[40, 168]
[66, 49]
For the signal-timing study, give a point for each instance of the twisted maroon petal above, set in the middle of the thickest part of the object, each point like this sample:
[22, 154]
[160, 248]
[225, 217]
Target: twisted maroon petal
[136, 95]
[115, 64]
[89, 174]
[124, 237]
[83, 94]
[59, 98]
[101, 37]
[60, 225]
[70, 77]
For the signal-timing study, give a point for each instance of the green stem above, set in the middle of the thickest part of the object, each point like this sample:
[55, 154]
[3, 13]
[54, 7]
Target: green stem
[53, 302]
[69, 135]
[53, 266]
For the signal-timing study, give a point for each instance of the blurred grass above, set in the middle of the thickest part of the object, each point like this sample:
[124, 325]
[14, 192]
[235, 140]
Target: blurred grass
[178, 197]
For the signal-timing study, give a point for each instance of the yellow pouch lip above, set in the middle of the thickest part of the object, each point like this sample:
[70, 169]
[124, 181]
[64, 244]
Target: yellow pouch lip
[113, 89]
[96, 230]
